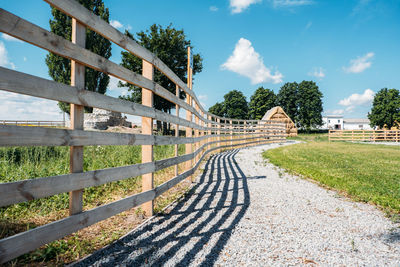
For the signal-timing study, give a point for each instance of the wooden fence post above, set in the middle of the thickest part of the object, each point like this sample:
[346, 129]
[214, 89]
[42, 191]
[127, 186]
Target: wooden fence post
[231, 128]
[77, 117]
[189, 147]
[177, 131]
[196, 132]
[209, 132]
[219, 134]
[147, 128]
[202, 133]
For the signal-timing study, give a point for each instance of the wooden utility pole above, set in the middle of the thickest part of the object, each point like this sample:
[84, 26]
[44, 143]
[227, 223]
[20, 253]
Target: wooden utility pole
[77, 116]
[189, 147]
[147, 128]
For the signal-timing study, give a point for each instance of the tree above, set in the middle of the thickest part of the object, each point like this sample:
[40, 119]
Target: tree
[60, 68]
[309, 100]
[288, 100]
[170, 45]
[217, 109]
[260, 102]
[385, 108]
[235, 105]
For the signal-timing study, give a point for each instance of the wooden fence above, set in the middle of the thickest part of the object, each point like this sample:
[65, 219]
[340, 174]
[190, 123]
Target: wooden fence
[206, 132]
[365, 135]
[34, 123]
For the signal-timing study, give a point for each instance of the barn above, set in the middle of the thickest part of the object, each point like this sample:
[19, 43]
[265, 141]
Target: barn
[279, 115]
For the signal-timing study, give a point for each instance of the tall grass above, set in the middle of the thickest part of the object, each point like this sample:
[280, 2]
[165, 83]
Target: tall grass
[20, 163]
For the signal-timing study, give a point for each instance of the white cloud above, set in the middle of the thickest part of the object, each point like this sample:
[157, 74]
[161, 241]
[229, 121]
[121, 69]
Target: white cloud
[291, 3]
[116, 24]
[4, 61]
[336, 112]
[357, 99]
[22, 107]
[10, 38]
[203, 97]
[113, 86]
[309, 24]
[25, 59]
[317, 72]
[360, 63]
[247, 62]
[124, 91]
[213, 8]
[239, 6]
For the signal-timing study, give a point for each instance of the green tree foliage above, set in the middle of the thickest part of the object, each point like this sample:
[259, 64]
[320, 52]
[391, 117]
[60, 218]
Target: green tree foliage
[170, 45]
[234, 106]
[385, 108]
[287, 98]
[309, 100]
[60, 68]
[260, 102]
[217, 109]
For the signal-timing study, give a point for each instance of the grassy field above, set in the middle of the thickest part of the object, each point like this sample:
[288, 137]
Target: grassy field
[364, 172]
[19, 163]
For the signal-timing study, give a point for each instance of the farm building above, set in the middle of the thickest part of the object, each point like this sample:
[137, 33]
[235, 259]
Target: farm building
[337, 122]
[279, 115]
[332, 122]
[357, 124]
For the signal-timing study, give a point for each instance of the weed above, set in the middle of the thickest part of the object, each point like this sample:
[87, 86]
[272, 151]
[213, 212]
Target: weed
[353, 246]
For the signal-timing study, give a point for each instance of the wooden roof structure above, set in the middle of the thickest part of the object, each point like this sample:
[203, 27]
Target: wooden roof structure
[278, 114]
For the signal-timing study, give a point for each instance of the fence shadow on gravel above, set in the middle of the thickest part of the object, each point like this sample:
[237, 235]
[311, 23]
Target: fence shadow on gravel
[195, 220]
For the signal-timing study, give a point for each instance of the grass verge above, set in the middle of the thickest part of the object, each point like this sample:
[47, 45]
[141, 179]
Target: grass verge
[19, 163]
[367, 173]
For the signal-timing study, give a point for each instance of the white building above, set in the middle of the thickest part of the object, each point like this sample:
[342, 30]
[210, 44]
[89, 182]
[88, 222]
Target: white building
[337, 122]
[357, 124]
[332, 122]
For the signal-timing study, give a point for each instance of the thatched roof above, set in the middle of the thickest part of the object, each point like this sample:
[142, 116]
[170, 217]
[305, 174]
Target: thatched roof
[269, 115]
[278, 114]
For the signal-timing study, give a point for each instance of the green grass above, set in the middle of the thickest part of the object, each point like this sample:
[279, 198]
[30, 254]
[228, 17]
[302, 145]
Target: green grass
[310, 137]
[364, 172]
[20, 163]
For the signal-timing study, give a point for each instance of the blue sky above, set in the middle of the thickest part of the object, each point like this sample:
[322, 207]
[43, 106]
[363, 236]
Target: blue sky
[350, 47]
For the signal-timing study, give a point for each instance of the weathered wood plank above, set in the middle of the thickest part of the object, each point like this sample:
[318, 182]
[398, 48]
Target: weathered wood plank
[98, 25]
[11, 135]
[24, 242]
[25, 190]
[76, 152]
[31, 33]
[18, 82]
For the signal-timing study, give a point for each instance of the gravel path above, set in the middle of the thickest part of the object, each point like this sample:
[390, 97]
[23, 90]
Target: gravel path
[245, 212]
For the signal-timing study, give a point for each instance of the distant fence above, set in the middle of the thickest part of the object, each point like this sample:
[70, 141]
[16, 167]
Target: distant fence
[205, 132]
[365, 135]
[34, 123]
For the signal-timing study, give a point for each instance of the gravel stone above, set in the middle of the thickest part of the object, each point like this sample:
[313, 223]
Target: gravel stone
[244, 211]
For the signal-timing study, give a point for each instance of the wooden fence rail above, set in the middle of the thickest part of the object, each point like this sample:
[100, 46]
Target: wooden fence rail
[205, 132]
[365, 135]
[33, 123]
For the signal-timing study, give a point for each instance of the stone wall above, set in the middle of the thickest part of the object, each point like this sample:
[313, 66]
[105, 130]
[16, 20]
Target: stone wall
[101, 119]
